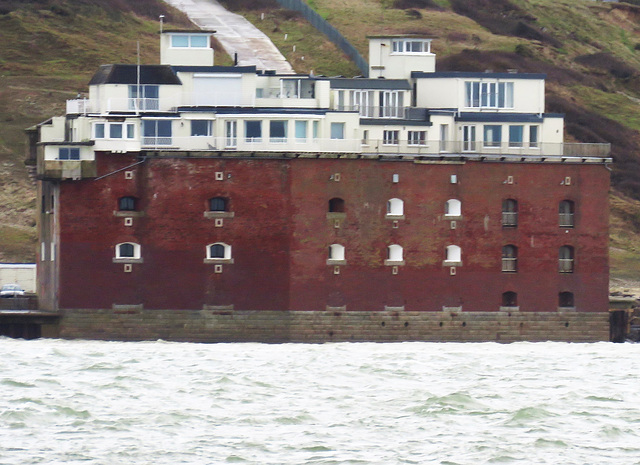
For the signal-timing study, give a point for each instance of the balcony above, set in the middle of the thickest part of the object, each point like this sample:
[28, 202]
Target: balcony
[556, 152]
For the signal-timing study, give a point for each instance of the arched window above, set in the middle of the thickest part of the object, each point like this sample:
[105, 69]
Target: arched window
[565, 214]
[128, 250]
[336, 205]
[454, 253]
[510, 258]
[336, 252]
[218, 204]
[219, 250]
[565, 299]
[394, 253]
[509, 213]
[509, 299]
[127, 203]
[453, 207]
[395, 207]
[565, 259]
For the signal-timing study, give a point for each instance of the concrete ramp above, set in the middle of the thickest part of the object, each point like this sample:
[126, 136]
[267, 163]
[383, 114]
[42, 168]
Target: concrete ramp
[235, 34]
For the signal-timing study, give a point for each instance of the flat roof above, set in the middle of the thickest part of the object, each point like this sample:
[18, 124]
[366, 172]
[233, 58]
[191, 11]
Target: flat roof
[476, 75]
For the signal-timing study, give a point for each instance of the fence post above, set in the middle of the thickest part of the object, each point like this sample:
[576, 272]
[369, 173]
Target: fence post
[328, 30]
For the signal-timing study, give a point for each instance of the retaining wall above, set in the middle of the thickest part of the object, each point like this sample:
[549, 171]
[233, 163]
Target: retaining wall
[137, 324]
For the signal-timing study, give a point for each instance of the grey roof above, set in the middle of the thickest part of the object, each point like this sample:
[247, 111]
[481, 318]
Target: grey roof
[476, 75]
[215, 69]
[363, 83]
[128, 74]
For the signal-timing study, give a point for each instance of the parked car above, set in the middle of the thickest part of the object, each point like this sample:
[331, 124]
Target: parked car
[11, 290]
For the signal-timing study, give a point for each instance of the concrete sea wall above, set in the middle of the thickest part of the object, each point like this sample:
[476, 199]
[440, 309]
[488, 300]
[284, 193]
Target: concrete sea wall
[136, 324]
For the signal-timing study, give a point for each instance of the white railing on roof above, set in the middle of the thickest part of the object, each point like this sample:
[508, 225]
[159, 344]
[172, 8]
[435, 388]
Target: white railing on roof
[78, 106]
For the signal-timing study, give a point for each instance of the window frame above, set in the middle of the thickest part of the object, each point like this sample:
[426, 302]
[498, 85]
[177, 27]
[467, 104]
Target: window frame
[509, 213]
[335, 127]
[69, 153]
[227, 256]
[391, 137]
[135, 257]
[509, 258]
[198, 132]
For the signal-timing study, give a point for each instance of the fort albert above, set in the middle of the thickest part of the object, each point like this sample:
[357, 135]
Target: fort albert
[192, 202]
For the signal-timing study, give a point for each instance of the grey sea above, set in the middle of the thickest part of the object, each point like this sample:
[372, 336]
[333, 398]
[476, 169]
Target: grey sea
[80, 402]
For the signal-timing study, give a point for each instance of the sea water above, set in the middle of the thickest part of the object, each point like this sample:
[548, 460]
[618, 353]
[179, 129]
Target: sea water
[79, 402]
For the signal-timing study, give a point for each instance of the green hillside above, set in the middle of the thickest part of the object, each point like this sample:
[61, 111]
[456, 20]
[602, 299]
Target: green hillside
[590, 51]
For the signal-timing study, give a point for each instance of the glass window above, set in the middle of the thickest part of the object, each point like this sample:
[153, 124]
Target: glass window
[492, 135]
[509, 213]
[219, 250]
[199, 41]
[509, 299]
[156, 132]
[301, 131]
[565, 259]
[515, 135]
[218, 204]
[131, 131]
[127, 203]
[128, 250]
[390, 137]
[316, 127]
[417, 137]
[565, 299]
[253, 131]
[337, 130]
[98, 130]
[336, 205]
[533, 136]
[510, 258]
[115, 131]
[68, 153]
[180, 40]
[201, 128]
[278, 131]
[566, 212]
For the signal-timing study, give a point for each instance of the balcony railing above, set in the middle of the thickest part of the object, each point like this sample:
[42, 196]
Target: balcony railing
[371, 111]
[509, 264]
[561, 151]
[565, 265]
[510, 219]
[566, 220]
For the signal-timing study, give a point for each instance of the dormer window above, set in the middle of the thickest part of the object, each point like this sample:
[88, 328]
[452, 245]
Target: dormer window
[411, 46]
[189, 41]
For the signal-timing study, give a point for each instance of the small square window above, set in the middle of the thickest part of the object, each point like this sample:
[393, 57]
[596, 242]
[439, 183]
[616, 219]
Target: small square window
[219, 176]
[128, 267]
[98, 131]
[128, 221]
[219, 222]
[128, 174]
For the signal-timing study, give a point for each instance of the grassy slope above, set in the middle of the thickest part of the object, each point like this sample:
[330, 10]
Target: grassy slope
[589, 50]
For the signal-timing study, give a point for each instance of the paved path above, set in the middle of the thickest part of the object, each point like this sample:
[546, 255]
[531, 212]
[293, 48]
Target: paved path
[235, 34]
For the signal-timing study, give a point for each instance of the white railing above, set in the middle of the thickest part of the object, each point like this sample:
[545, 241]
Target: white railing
[372, 111]
[252, 144]
[78, 106]
[559, 150]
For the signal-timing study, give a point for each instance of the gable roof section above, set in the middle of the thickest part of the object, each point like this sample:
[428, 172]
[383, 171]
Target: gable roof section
[128, 74]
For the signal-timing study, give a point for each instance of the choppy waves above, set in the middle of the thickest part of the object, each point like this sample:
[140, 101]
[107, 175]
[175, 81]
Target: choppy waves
[78, 402]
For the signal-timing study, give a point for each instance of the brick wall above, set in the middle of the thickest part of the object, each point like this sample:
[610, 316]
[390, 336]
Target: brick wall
[134, 324]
